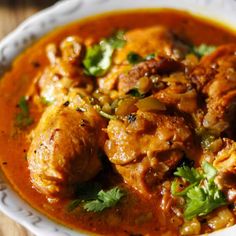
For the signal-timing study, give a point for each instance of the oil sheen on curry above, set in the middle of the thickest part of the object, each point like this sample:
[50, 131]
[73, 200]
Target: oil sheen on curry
[123, 124]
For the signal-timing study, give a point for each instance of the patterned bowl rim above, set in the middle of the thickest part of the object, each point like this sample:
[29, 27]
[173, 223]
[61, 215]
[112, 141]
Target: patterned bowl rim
[62, 13]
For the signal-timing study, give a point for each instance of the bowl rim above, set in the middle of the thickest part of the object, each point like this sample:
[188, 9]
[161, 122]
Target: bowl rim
[45, 21]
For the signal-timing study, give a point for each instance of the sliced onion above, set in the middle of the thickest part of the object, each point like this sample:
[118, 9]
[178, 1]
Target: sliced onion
[126, 106]
[150, 104]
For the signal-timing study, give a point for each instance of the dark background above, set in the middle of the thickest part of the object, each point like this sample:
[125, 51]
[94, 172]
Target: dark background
[12, 12]
[37, 3]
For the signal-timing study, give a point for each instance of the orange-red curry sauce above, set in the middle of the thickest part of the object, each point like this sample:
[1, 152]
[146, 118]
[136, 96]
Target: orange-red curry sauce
[134, 215]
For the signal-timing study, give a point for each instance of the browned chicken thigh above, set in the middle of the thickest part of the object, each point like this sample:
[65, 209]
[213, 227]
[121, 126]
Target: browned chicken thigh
[64, 149]
[215, 77]
[144, 149]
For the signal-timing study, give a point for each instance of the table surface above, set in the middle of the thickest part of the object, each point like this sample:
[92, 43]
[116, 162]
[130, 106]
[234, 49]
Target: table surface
[12, 12]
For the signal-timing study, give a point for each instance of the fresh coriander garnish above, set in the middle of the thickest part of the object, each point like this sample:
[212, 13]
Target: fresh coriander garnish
[23, 118]
[203, 50]
[190, 174]
[73, 205]
[134, 58]
[98, 58]
[92, 198]
[209, 171]
[104, 200]
[202, 195]
[150, 56]
[85, 192]
[117, 40]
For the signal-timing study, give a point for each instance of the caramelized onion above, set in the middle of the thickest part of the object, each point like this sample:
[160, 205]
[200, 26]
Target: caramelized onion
[126, 106]
[150, 104]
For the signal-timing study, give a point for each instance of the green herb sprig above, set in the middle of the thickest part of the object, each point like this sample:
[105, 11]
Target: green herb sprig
[98, 58]
[23, 118]
[104, 200]
[202, 195]
[94, 200]
[203, 50]
[134, 58]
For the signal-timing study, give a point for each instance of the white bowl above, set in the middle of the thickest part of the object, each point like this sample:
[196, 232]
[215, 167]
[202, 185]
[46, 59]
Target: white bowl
[11, 204]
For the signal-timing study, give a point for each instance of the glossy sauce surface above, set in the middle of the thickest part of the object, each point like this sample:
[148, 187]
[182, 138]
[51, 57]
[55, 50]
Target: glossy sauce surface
[134, 215]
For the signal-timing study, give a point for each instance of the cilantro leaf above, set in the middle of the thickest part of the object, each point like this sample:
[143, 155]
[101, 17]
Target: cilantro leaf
[104, 200]
[98, 58]
[73, 205]
[85, 192]
[203, 50]
[175, 188]
[189, 174]
[202, 195]
[203, 200]
[117, 40]
[196, 193]
[150, 56]
[23, 118]
[210, 171]
[134, 58]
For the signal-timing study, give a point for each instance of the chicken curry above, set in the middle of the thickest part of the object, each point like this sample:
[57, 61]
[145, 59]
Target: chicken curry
[123, 124]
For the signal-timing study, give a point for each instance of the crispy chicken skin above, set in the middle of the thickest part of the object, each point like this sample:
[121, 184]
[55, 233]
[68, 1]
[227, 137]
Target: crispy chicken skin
[215, 77]
[144, 150]
[65, 148]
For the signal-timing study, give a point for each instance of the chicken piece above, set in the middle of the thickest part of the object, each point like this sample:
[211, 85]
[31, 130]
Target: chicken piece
[129, 80]
[224, 160]
[215, 77]
[163, 43]
[53, 87]
[226, 157]
[63, 73]
[65, 147]
[155, 39]
[177, 91]
[169, 84]
[145, 148]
